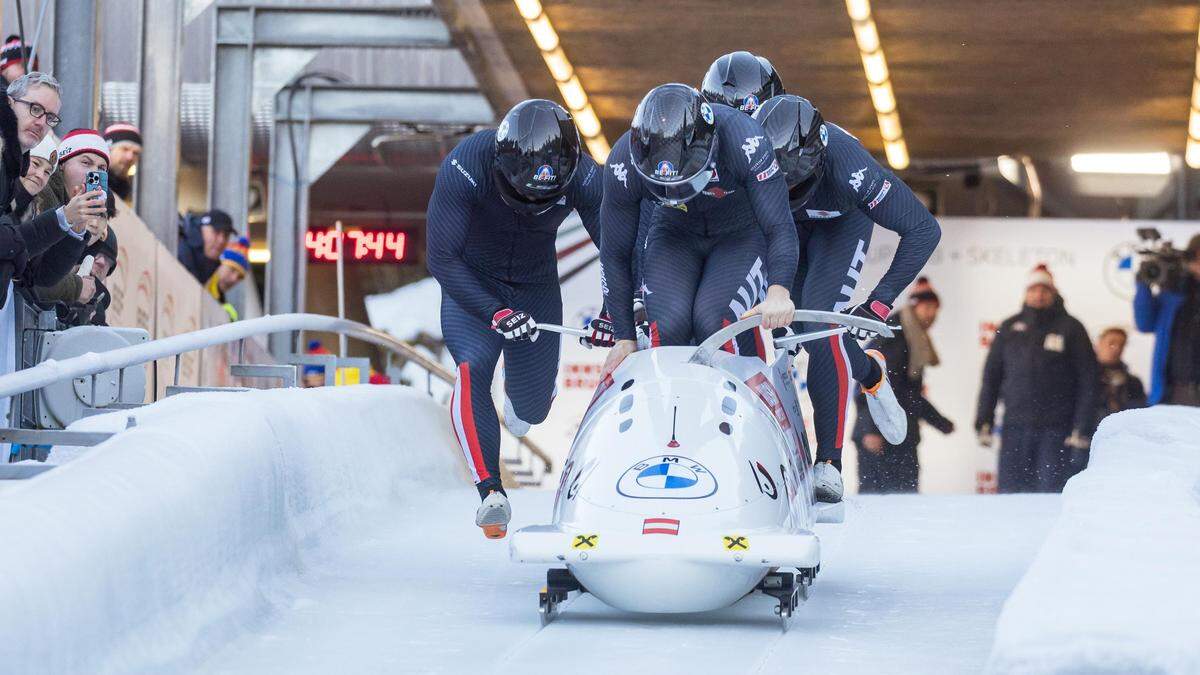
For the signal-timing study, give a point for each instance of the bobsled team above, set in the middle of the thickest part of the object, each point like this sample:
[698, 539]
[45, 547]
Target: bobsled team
[733, 200]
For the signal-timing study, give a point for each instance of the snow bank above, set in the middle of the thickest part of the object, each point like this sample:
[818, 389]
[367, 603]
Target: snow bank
[175, 535]
[1115, 587]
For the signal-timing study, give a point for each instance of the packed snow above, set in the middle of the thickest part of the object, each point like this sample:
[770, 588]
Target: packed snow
[170, 539]
[1115, 588]
[302, 531]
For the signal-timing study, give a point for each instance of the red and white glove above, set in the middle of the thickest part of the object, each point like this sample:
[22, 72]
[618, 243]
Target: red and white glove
[601, 333]
[515, 325]
[875, 310]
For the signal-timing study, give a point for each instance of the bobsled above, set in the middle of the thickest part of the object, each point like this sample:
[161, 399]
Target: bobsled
[688, 484]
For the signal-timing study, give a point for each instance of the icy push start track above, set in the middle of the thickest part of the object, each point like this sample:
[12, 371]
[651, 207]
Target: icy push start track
[909, 584]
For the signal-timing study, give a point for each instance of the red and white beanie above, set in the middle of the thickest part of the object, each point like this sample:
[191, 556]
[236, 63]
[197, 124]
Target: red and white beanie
[80, 141]
[1040, 276]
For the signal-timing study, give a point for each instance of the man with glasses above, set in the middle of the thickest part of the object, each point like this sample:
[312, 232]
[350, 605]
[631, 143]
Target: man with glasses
[27, 114]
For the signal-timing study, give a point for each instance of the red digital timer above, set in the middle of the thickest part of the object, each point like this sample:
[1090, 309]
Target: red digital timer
[362, 245]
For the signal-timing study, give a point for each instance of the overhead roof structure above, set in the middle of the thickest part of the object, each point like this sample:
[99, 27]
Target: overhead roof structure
[1045, 79]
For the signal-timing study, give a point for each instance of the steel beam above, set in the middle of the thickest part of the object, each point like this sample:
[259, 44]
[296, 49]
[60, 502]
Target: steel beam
[240, 30]
[156, 184]
[324, 122]
[418, 105]
[75, 61]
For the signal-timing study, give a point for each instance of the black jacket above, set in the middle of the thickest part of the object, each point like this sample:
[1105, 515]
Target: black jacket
[191, 249]
[909, 391]
[1118, 390]
[1042, 366]
[23, 238]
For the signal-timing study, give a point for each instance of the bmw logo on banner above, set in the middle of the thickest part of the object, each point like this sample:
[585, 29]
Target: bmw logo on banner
[667, 477]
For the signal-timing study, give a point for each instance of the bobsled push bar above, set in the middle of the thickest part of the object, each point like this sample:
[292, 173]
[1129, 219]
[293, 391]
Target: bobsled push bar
[706, 348]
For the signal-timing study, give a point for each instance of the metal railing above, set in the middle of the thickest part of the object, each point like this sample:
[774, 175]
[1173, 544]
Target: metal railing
[94, 363]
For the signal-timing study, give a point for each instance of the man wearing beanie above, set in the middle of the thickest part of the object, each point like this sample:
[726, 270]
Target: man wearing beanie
[883, 467]
[233, 267]
[13, 56]
[124, 151]
[1042, 366]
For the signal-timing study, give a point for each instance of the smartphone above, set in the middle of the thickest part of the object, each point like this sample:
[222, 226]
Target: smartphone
[85, 266]
[96, 180]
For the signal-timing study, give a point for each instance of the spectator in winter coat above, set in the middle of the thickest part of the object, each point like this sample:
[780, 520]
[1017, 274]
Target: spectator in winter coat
[80, 151]
[27, 114]
[1119, 388]
[1173, 315]
[1042, 366]
[84, 299]
[124, 149]
[202, 240]
[883, 467]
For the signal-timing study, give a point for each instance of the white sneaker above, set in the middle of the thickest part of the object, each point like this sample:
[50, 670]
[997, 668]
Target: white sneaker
[827, 483]
[885, 410]
[516, 425]
[493, 515]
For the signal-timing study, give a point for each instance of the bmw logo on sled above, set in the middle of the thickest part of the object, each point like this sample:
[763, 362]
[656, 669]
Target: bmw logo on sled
[689, 482]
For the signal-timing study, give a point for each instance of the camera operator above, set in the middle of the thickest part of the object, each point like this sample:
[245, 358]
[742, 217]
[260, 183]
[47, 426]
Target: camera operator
[1173, 315]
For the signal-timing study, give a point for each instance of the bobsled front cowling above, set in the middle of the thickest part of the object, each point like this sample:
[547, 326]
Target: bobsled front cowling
[676, 467]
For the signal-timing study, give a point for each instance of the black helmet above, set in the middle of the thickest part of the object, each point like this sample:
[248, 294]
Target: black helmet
[672, 142]
[741, 80]
[799, 137]
[537, 152]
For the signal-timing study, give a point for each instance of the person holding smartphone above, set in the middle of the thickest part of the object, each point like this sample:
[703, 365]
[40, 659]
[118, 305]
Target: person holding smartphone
[83, 213]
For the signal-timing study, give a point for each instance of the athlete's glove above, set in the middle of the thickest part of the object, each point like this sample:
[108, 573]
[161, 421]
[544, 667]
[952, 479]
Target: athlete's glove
[601, 333]
[515, 325]
[875, 310]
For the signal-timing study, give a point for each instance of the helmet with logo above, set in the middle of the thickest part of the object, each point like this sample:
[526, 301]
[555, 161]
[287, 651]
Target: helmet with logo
[673, 142]
[741, 80]
[537, 152]
[799, 137]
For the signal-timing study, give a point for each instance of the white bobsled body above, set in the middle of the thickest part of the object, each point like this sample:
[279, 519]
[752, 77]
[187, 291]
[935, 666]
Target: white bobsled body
[686, 484]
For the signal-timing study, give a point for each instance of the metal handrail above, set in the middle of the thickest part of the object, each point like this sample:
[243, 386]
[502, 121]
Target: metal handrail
[93, 363]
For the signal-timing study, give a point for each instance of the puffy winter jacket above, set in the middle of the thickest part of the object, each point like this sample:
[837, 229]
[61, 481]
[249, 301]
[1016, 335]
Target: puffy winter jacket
[1042, 366]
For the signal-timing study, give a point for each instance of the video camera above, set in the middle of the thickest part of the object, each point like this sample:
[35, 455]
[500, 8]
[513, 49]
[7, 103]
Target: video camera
[1162, 264]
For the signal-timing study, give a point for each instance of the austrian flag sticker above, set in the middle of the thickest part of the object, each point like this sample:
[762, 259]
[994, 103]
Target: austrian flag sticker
[660, 526]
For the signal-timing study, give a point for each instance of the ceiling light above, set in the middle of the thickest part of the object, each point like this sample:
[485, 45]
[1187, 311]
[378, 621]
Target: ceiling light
[897, 153]
[859, 10]
[564, 76]
[1146, 163]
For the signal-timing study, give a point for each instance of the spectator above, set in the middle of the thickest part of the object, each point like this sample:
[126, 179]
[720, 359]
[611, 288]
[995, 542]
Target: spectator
[1042, 366]
[314, 376]
[124, 149]
[202, 240]
[27, 114]
[1173, 315]
[882, 467]
[83, 299]
[81, 151]
[36, 249]
[1119, 388]
[43, 160]
[233, 267]
[13, 56]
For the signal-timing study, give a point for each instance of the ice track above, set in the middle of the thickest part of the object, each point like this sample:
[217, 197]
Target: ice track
[909, 584]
